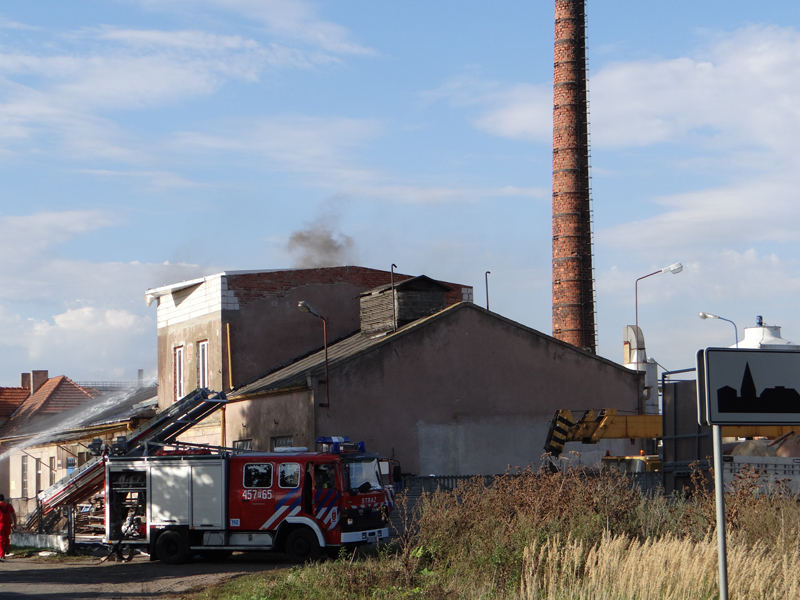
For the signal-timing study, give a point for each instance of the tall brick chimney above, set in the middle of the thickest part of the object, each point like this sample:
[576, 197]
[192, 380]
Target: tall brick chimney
[573, 284]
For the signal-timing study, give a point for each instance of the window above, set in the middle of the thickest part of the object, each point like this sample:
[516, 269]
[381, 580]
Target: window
[325, 476]
[258, 475]
[282, 441]
[202, 364]
[243, 444]
[38, 475]
[289, 475]
[177, 372]
[24, 476]
[70, 464]
[360, 472]
[52, 470]
[83, 457]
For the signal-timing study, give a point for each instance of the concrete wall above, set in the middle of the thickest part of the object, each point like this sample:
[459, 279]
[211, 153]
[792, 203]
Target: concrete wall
[25, 539]
[270, 332]
[207, 431]
[259, 420]
[5, 465]
[267, 330]
[187, 334]
[467, 394]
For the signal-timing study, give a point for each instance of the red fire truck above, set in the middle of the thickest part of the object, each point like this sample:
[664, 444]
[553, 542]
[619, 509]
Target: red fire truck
[180, 503]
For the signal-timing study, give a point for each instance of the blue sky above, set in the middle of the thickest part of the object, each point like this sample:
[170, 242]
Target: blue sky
[144, 142]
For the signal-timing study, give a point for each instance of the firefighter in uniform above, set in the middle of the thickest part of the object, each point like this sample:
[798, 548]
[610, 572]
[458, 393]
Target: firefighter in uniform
[8, 520]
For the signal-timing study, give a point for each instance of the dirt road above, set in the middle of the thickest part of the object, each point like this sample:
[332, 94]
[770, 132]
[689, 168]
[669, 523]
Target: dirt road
[83, 579]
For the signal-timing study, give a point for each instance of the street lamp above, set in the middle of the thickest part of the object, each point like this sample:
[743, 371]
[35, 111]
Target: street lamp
[486, 276]
[307, 308]
[705, 315]
[674, 269]
[716, 437]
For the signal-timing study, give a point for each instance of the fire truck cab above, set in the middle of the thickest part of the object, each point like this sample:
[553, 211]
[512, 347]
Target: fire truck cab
[180, 503]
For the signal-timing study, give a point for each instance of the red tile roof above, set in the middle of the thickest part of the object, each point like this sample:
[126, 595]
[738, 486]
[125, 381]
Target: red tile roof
[10, 399]
[56, 395]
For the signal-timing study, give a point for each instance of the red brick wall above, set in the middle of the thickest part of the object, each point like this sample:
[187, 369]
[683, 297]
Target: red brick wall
[573, 296]
[276, 284]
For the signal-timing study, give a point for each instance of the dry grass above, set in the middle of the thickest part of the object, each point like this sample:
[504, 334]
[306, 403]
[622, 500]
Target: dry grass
[619, 568]
[565, 535]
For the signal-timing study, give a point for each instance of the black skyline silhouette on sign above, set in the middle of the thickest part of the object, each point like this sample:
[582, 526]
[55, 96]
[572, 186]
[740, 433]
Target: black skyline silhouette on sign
[778, 399]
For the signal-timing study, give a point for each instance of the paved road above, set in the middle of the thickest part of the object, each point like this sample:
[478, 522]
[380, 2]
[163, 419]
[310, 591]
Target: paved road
[85, 579]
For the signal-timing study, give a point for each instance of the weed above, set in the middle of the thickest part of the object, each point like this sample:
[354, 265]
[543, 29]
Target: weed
[564, 535]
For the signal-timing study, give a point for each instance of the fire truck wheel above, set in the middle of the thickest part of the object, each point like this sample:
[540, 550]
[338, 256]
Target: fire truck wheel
[302, 545]
[171, 548]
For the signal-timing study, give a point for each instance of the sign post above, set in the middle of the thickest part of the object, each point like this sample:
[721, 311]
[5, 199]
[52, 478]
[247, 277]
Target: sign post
[743, 387]
[719, 493]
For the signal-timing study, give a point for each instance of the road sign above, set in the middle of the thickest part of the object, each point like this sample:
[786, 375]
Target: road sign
[745, 386]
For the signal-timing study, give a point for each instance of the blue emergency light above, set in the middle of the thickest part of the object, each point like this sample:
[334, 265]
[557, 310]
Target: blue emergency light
[334, 443]
[331, 439]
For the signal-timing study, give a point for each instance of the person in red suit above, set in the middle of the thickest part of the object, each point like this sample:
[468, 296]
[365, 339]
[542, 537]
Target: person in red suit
[8, 520]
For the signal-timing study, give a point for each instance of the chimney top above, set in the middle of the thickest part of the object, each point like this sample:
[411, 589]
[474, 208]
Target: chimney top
[38, 379]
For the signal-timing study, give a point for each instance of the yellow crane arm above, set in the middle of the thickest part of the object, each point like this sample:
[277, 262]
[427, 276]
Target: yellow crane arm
[606, 423]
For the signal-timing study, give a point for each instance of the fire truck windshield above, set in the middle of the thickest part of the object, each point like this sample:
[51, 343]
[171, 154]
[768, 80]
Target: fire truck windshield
[360, 472]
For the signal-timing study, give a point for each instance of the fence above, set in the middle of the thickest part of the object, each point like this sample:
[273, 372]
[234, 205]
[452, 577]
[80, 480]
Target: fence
[414, 487]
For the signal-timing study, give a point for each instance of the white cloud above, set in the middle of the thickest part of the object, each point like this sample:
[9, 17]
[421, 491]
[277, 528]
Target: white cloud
[760, 209]
[75, 317]
[81, 343]
[419, 194]
[89, 321]
[155, 179]
[322, 149]
[291, 143]
[737, 285]
[182, 40]
[70, 95]
[124, 80]
[292, 19]
[25, 237]
[6, 24]
[520, 111]
[743, 90]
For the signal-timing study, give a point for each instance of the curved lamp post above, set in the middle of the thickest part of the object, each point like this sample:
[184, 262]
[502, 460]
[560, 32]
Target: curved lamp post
[394, 310]
[307, 308]
[716, 436]
[705, 315]
[674, 269]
